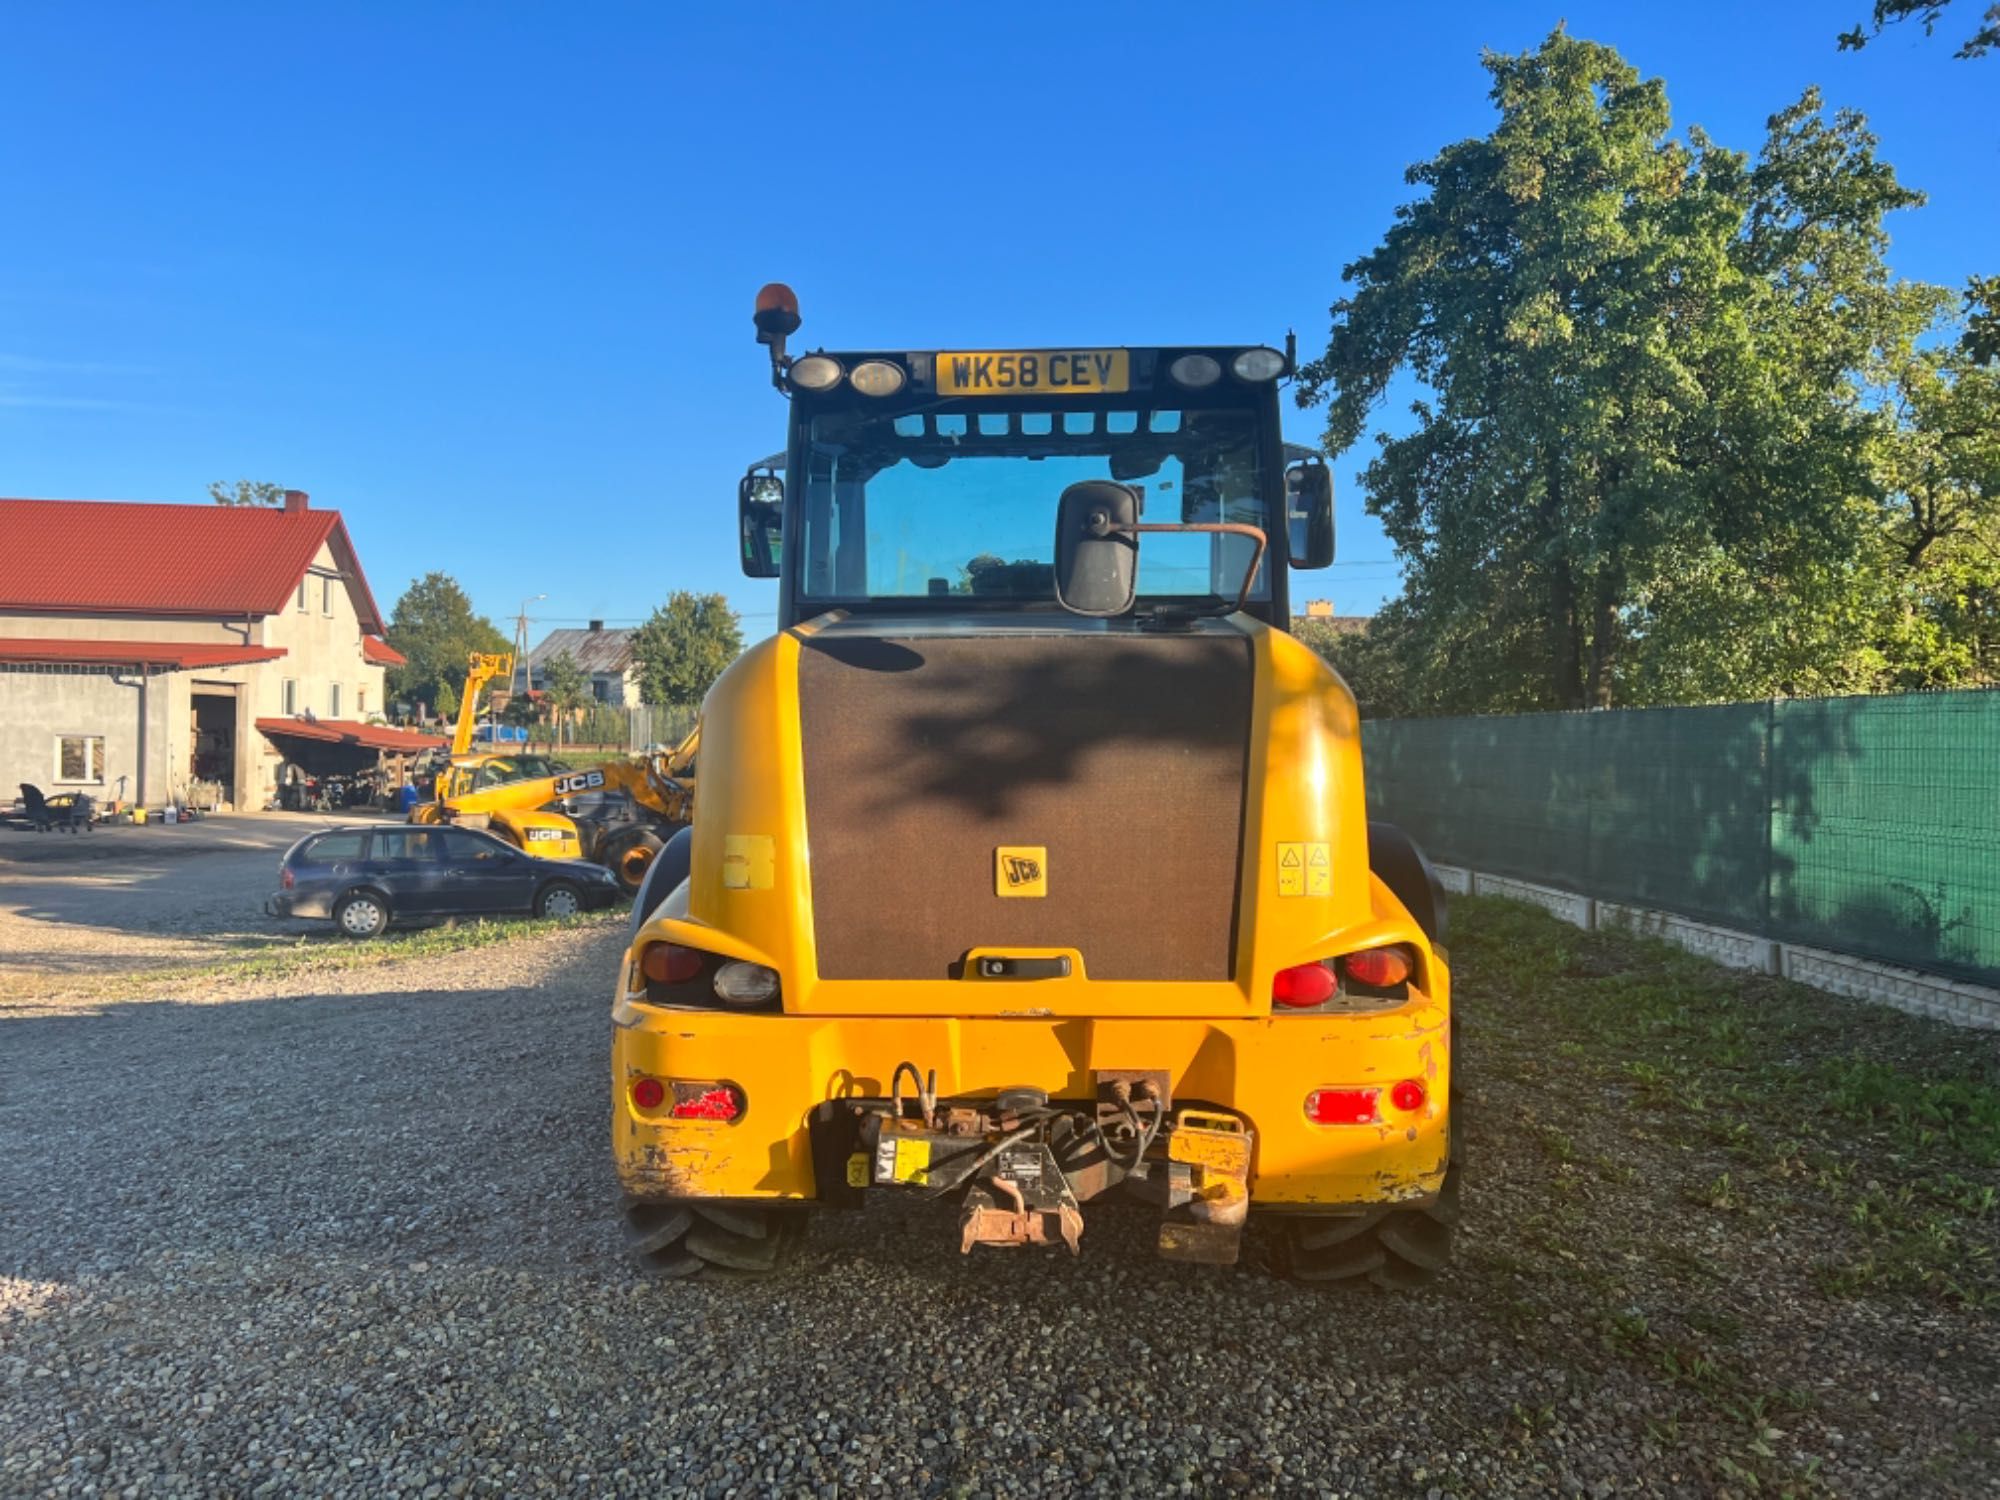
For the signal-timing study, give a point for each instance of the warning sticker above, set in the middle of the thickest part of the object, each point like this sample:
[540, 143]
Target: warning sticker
[857, 1169]
[901, 1159]
[1304, 870]
[748, 861]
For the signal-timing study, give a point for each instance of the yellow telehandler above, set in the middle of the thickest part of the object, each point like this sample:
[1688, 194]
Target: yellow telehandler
[1030, 863]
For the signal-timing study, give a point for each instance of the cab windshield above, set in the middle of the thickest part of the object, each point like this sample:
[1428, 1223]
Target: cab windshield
[958, 499]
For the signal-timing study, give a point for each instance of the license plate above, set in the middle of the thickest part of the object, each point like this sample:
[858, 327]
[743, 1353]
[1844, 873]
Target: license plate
[1040, 372]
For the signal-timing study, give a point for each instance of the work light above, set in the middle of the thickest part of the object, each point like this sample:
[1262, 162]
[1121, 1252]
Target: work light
[1194, 371]
[816, 372]
[1258, 364]
[876, 377]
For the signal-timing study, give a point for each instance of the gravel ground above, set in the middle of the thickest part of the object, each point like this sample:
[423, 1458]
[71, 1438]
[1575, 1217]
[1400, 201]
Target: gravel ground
[124, 896]
[353, 1233]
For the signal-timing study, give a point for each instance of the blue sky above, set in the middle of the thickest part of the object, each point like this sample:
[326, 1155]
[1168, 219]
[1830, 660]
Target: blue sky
[480, 276]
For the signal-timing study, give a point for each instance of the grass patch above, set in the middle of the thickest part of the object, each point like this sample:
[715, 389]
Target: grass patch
[1763, 1084]
[325, 954]
[1696, 1160]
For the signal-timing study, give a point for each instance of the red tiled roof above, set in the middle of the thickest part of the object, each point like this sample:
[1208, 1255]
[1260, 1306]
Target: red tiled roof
[349, 732]
[122, 557]
[379, 651]
[132, 653]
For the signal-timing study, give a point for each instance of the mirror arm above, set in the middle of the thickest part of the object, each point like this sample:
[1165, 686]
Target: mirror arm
[1228, 528]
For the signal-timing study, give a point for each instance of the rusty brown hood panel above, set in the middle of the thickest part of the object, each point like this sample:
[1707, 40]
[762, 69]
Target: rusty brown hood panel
[929, 746]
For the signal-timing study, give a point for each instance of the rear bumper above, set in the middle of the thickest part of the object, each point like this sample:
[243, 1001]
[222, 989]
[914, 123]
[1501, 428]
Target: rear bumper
[1260, 1069]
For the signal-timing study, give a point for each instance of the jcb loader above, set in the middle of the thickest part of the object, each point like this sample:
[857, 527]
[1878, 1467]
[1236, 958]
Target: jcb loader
[1029, 860]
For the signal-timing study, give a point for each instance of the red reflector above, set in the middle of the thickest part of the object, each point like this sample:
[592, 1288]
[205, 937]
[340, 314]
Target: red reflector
[706, 1101]
[648, 1093]
[669, 963]
[1378, 968]
[1305, 984]
[1408, 1095]
[1343, 1106]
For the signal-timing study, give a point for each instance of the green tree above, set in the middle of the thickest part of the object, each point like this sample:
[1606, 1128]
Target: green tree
[1367, 661]
[1642, 416]
[247, 492]
[447, 701]
[1926, 13]
[567, 687]
[434, 626]
[684, 647]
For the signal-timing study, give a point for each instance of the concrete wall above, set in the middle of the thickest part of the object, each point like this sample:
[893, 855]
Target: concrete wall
[209, 632]
[134, 714]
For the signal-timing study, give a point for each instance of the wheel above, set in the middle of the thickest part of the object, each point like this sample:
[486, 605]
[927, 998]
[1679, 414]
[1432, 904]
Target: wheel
[713, 1239]
[361, 914]
[558, 899]
[668, 870]
[1396, 1248]
[630, 855]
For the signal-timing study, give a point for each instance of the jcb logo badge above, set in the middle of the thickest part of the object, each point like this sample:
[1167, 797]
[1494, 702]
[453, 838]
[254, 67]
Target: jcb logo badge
[580, 781]
[1019, 871]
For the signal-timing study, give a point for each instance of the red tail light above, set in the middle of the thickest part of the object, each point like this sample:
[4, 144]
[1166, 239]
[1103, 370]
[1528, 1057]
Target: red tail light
[1302, 985]
[648, 1093]
[1408, 1096]
[707, 1101]
[286, 879]
[669, 963]
[1378, 968]
[1344, 1106]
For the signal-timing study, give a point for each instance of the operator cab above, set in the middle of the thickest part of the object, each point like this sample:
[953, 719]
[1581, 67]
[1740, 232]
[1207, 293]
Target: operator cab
[1133, 486]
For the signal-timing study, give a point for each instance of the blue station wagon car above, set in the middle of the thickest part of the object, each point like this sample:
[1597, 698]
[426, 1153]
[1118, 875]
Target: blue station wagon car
[362, 879]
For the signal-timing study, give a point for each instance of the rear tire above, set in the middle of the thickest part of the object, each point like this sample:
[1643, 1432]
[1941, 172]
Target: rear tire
[716, 1240]
[629, 856]
[361, 915]
[1399, 1249]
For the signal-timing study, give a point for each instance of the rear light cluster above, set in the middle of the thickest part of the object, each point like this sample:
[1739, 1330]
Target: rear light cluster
[679, 975]
[1373, 972]
[1363, 1106]
[683, 1099]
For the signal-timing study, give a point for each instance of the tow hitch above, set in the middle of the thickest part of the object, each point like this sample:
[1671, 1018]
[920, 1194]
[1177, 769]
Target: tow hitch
[1025, 1163]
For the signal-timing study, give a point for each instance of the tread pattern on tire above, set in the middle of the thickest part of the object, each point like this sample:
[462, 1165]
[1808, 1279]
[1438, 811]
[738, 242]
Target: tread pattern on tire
[1398, 1249]
[696, 1239]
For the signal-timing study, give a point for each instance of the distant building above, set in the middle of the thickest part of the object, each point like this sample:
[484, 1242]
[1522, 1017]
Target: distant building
[1320, 612]
[145, 646]
[605, 656]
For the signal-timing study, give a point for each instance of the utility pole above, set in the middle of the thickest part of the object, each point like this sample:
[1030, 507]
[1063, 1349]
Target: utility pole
[521, 645]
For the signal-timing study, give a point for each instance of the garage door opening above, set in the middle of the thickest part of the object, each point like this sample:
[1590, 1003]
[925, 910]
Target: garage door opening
[212, 749]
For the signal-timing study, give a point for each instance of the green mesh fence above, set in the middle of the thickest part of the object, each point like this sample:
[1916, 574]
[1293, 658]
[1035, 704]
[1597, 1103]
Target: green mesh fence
[1867, 825]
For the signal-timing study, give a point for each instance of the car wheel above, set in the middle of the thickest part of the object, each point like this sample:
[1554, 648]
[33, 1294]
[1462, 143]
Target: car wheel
[558, 899]
[362, 914]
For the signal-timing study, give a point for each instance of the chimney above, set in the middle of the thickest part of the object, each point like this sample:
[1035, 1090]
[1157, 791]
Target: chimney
[295, 500]
[596, 626]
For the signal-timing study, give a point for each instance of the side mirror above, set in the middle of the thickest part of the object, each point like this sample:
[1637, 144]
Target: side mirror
[1097, 554]
[760, 517]
[1309, 513]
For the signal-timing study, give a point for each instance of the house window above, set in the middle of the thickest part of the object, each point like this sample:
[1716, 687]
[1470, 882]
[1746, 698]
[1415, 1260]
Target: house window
[80, 759]
[326, 595]
[333, 701]
[361, 703]
[291, 696]
[302, 592]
